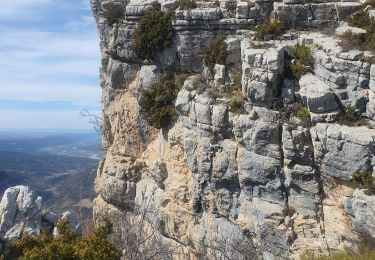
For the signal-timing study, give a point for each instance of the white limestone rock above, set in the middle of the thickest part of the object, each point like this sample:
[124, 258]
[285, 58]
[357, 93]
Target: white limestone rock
[316, 95]
[261, 70]
[342, 150]
[219, 75]
[361, 208]
[20, 213]
[288, 89]
[345, 29]
[147, 76]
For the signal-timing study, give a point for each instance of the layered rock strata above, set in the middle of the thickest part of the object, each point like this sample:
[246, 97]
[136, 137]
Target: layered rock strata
[261, 174]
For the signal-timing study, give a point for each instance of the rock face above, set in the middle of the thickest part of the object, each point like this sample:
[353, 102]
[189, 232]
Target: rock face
[260, 174]
[21, 215]
[361, 209]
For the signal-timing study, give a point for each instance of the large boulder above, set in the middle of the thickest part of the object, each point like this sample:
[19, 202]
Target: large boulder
[316, 95]
[361, 209]
[342, 150]
[20, 213]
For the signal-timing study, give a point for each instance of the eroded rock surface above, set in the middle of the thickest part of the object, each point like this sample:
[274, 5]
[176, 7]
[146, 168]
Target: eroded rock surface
[261, 174]
[21, 214]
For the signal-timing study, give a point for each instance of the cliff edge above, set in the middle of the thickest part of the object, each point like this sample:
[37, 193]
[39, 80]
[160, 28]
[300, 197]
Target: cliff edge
[271, 151]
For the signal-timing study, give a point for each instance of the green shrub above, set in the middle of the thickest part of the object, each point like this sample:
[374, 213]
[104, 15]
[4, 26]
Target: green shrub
[231, 6]
[180, 79]
[368, 59]
[364, 180]
[236, 101]
[273, 28]
[66, 245]
[359, 19]
[369, 43]
[349, 41]
[157, 102]
[303, 113]
[303, 60]
[350, 117]
[363, 20]
[302, 53]
[216, 53]
[296, 70]
[153, 33]
[370, 3]
[199, 84]
[187, 4]
[114, 15]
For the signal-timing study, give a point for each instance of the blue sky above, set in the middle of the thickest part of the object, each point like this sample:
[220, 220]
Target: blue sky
[49, 63]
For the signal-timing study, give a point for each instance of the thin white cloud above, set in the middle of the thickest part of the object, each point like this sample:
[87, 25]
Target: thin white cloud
[17, 9]
[44, 43]
[37, 119]
[49, 52]
[47, 92]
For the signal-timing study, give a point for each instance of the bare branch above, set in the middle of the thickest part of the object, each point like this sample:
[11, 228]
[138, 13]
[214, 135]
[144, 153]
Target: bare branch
[95, 120]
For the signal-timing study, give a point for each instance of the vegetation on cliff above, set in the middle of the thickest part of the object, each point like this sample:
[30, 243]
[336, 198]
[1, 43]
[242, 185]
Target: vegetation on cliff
[216, 53]
[362, 20]
[113, 15]
[269, 29]
[187, 4]
[231, 6]
[153, 33]
[302, 61]
[66, 245]
[350, 117]
[236, 101]
[157, 102]
[364, 180]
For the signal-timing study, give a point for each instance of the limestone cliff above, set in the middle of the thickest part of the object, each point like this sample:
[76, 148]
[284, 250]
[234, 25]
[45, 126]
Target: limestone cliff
[261, 174]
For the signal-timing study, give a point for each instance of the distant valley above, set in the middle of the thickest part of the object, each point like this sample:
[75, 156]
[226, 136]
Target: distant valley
[60, 167]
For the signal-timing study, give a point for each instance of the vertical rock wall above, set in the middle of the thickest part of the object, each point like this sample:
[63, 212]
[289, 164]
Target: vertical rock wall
[258, 175]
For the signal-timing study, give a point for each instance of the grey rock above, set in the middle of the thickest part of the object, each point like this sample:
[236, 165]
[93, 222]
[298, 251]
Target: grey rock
[261, 71]
[50, 217]
[345, 29]
[343, 150]
[303, 190]
[159, 171]
[361, 209]
[219, 75]
[147, 76]
[287, 91]
[316, 95]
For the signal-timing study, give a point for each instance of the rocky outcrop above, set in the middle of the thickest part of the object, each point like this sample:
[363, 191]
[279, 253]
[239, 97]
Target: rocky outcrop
[21, 215]
[20, 211]
[361, 209]
[263, 175]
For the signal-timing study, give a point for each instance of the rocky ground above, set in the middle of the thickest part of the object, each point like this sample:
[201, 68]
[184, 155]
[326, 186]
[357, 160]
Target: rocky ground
[276, 173]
